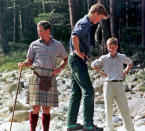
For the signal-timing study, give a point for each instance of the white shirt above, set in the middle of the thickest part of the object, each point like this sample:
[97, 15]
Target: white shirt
[113, 66]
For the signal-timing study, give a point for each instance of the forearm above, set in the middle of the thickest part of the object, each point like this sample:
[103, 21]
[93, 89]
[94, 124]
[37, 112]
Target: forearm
[63, 63]
[100, 71]
[61, 67]
[75, 40]
[127, 69]
[27, 63]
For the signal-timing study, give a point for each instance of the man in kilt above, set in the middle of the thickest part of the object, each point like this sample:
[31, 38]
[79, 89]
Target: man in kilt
[42, 54]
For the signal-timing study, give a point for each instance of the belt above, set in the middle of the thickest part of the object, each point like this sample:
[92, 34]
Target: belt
[73, 53]
[36, 67]
[116, 80]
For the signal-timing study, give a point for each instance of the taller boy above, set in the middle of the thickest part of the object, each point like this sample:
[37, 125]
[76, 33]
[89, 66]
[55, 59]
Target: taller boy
[81, 84]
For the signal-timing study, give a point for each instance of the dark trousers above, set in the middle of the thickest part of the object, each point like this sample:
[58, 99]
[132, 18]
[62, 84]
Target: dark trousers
[81, 89]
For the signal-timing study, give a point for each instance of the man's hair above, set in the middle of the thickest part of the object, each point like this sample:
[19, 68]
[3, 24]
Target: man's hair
[113, 41]
[99, 8]
[45, 24]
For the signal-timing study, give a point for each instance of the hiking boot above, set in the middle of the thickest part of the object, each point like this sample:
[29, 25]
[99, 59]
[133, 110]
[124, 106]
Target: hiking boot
[95, 128]
[75, 128]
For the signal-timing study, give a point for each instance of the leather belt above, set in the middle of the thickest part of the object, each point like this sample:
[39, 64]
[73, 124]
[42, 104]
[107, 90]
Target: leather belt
[72, 53]
[116, 81]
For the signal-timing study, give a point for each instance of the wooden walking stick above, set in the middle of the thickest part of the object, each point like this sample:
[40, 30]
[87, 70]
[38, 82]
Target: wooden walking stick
[16, 97]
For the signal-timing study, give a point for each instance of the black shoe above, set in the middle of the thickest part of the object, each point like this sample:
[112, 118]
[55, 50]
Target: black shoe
[77, 127]
[94, 129]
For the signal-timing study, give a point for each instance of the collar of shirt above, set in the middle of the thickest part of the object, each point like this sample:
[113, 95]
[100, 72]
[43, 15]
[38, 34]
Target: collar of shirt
[43, 42]
[109, 56]
[88, 19]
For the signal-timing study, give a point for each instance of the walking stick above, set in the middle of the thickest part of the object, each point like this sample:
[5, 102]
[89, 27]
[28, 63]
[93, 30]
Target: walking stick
[16, 97]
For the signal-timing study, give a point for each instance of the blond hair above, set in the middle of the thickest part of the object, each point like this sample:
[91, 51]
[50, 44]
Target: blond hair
[113, 41]
[99, 8]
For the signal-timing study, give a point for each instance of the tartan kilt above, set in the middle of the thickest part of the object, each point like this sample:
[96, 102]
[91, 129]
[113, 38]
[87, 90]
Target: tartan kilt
[39, 97]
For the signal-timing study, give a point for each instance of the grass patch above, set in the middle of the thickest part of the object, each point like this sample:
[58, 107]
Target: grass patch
[142, 88]
[11, 61]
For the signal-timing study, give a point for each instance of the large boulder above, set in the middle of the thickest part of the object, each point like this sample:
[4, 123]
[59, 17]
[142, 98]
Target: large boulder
[9, 87]
[98, 85]
[137, 106]
[19, 106]
[19, 116]
[15, 126]
[8, 75]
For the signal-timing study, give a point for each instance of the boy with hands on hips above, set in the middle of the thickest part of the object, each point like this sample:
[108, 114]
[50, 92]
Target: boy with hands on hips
[114, 89]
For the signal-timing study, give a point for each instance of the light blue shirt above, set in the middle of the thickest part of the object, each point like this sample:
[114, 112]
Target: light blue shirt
[113, 66]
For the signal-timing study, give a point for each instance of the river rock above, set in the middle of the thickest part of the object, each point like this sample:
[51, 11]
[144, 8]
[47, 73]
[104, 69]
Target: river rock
[19, 116]
[139, 86]
[136, 106]
[98, 85]
[9, 87]
[19, 106]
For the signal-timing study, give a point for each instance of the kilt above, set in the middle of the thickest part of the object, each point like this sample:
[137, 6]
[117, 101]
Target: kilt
[39, 97]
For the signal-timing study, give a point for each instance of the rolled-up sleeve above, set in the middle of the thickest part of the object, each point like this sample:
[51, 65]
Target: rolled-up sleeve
[30, 53]
[62, 52]
[80, 30]
[126, 60]
[97, 63]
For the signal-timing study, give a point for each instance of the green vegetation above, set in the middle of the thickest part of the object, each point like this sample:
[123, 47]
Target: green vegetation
[142, 88]
[18, 53]
[11, 62]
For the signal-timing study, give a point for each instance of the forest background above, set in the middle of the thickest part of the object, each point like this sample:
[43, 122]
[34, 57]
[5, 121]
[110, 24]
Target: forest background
[18, 19]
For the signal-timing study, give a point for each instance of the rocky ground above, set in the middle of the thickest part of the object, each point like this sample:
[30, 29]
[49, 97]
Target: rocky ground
[8, 83]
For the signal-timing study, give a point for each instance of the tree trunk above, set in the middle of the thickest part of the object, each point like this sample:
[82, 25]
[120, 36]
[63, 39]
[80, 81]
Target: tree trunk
[43, 6]
[74, 11]
[126, 10]
[3, 38]
[14, 4]
[90, 3]
[105, 26]
[114, 19]
[20, 23]
[143, 23]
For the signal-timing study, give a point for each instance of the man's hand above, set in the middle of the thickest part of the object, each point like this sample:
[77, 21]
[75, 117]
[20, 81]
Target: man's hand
[100, 71]
[81, 55]
[124, 73]
[20, 65]
[56, 71]
[103, 73]
[61, 67]
[126, 70]
[28, 62]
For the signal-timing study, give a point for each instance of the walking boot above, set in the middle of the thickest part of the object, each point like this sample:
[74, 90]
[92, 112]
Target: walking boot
[33, 121]
[45, 121]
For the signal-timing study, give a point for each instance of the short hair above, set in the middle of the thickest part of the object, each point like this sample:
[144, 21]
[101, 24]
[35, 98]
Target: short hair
[45, 24]
[113, 41]
[100, 9]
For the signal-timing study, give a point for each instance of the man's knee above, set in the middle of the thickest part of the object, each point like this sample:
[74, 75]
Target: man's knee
[36, 109]
[46, 109]
[89, 92]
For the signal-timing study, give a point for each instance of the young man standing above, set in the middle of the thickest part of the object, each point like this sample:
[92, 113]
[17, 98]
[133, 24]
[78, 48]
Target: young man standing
[114, 89]
[42, 54]
[81, 84]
